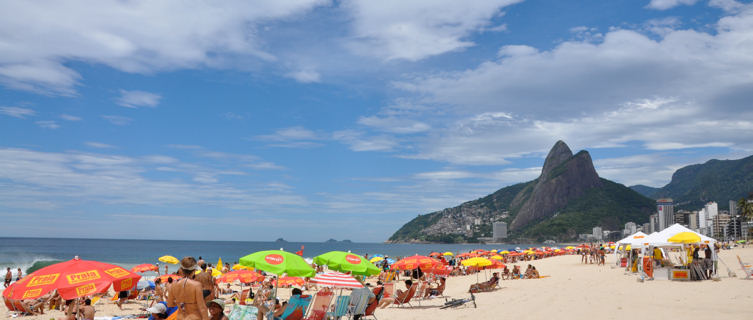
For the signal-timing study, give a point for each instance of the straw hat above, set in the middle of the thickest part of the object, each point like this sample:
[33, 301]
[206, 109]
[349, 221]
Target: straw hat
[188, 263]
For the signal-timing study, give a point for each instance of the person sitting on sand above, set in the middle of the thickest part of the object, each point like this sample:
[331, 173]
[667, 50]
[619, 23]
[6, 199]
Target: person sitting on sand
[527, 274]
[505, 273]
[160, 311]
[87, 311]
[516, 272]
[71, 309]
[485, 286]
[226, 290]
[534, 273]
[438, 290]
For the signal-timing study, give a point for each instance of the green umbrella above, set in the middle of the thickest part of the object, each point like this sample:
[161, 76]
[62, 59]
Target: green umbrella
[347, 262]
[278, 262]
[740, 241]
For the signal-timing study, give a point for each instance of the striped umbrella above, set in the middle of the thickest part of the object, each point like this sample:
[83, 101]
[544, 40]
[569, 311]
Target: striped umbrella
[337, 280]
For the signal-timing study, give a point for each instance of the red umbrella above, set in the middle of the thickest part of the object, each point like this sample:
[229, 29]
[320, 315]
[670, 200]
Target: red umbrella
[290, 281]
[435, 254]
[337, 280]
[441, 270]
[145, 267]
[410, 263]
[163, 278]
[73, 279]
[244, 276]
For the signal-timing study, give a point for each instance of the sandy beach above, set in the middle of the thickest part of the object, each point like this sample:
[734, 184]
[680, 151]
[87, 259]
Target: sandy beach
[572, 291]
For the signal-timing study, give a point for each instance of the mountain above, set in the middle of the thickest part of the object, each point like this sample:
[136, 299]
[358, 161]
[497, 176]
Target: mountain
[646, 191]
[716, 180]
[568, 198]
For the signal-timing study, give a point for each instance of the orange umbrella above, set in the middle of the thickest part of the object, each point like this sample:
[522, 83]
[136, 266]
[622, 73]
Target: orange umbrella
[73, 279]
[414, 262]
[496, 264]
[145, 267]
[290, 281]
[244, 276]
[435, 254]
[163, 278]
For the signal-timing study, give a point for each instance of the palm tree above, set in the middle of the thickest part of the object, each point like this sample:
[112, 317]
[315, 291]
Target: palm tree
[745, 207]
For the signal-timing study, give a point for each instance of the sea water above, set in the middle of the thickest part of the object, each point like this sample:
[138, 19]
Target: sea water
[31, 254]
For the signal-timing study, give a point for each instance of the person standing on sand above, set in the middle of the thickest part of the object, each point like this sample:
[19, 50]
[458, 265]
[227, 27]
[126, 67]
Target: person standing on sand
[8, 278]
[207, 283]
[186, 293]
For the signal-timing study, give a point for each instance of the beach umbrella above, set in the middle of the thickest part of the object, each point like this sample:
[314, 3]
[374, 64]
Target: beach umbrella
[434, 254]
[168, 259]
[73, 279]
[336, 280]
[241, 267]
[440, 270]
[215, 272]
[685, 237]
[145, 268]
[476, 262]
[244, 276]
[376, 259]
[347, 262]
[740, 241]
[504, 252]
[448, 254]
[498, 258]
[290, 281]
[278, 262]
[414, 262]
[164, 278]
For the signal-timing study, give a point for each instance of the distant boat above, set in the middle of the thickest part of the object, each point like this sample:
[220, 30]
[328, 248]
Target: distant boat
[550, 242]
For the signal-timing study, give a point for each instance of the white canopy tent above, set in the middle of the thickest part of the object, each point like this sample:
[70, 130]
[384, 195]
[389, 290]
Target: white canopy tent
[661, 240]
[631, 240]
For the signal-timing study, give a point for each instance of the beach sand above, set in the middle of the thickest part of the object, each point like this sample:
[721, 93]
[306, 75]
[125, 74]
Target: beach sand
[572, 291]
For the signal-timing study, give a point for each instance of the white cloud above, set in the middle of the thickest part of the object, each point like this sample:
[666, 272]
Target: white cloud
[68, 117]
[136, 99]
[727, 5]
[305, 76]
[444, 175]
[292, 137]
[686, 89]
[359, 141]
[117, 120]
[414, 30]
[140, 37]
[98, 145]
[394, 124]
[668, 4]
[17, 112]
[47, 124]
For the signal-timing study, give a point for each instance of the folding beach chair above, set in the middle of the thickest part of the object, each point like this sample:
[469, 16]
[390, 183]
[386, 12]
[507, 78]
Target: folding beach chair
[408, 296]
[243, 312]
[318, 307]
[341, 307]
[371, 308]
[746, 268]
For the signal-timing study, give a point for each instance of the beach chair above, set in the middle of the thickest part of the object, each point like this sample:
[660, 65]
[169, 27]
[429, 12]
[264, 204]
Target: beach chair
[341, 308]
[359, 300]
[318, 308]
[295, 309]
[371, 308]
[746, 268]
[243, 312]
[408, 296]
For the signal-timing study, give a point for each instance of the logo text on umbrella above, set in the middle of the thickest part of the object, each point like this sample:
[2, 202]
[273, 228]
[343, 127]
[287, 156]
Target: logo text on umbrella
[117, 272]
[43, 280]
[274, 259]
[86, 289]
[33, 293]
[80, 277]
[353, 259]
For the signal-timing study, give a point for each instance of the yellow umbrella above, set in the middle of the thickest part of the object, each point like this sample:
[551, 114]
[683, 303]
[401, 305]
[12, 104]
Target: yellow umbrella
[215, 272]
[494, 251]
[448, 254]
[168, 259]
[685, 237]
[376, 259]
[477, 262]
[498, 258]
[219, 263]
[239, 267]
[569, 247]
[504, 252]
[628, 247]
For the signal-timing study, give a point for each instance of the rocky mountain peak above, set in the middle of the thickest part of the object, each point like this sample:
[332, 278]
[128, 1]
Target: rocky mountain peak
[559, 153]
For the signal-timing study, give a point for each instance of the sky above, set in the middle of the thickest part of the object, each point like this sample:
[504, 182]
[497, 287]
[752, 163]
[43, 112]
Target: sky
[316, 119]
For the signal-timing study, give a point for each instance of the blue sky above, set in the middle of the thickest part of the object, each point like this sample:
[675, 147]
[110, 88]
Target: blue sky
[316, 119]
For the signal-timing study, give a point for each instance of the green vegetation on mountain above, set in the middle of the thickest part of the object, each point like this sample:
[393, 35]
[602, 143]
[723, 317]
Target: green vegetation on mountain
[610, 207]
[646, 191]
[716, 180]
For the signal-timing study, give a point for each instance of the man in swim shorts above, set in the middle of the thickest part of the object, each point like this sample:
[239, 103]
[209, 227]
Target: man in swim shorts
[8, 278]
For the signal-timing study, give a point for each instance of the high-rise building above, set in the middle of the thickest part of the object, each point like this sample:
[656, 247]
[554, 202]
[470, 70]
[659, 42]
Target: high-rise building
[499, 231]
[683, 217]
[732, 207]
[720, 222]
[666, 211]
[653, 221]
[597, 233]
[646, 228]
[630, 228]
[693, 220]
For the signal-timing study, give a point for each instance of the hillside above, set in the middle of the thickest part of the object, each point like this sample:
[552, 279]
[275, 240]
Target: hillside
[716, 180]
[566, 199]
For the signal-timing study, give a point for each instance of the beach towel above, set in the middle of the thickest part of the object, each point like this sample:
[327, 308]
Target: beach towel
[241, 312]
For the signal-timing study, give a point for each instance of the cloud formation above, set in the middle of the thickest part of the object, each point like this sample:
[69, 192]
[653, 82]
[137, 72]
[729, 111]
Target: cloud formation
[136, 99]
[17, 112]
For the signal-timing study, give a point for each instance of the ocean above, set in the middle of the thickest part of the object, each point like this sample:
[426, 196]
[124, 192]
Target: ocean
[31, 254]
